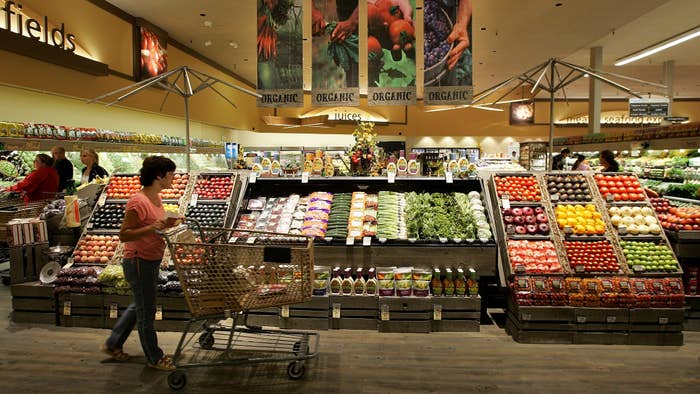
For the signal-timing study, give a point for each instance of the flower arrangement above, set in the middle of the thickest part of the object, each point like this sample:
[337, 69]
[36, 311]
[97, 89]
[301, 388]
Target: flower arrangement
[364, 154]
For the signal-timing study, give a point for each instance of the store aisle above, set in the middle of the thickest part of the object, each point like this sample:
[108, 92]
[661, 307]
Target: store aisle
[67, 360]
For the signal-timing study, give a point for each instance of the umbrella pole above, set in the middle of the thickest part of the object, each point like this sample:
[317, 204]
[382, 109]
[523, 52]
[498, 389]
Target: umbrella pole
[551, 123]
[187, 131]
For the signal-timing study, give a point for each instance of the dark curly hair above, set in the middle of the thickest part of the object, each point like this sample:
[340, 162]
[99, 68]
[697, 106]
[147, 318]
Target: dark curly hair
[154, 167]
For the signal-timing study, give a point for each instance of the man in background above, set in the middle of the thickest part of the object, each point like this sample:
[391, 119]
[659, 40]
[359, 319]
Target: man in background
[558, 160]
[62, 165]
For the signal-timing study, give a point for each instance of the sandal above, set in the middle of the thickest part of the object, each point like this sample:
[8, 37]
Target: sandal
[116, 354]
[164, 364]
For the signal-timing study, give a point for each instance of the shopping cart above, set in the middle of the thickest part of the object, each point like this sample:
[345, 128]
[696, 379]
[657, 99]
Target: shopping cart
[225, 277]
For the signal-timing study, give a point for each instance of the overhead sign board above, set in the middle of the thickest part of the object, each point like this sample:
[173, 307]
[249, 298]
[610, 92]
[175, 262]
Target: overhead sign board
[648, 106]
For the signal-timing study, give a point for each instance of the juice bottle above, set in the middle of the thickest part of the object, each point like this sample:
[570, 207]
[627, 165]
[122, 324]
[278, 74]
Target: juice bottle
[336, 282]
[447, 283]
[460, 283]
[346, 286]
[413, 165]
[452, 165]
[473, 283]
[436, 283]
[463, 162]
[275, 167]
[402, 164]
[308, 163]
[371, 284]
[318, 163]
[257, 168]
[266, 165]
[359, 285]
[391, 166]
[328, 168]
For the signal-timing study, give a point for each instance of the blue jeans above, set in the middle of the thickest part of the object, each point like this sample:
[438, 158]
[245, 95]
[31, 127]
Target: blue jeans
[142, 276]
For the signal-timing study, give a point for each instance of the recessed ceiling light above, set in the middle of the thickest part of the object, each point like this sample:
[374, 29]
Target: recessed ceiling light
[208, 24]
[483, 28]
[558, 4]
[207, 43]
[233, 44]
[202, 14]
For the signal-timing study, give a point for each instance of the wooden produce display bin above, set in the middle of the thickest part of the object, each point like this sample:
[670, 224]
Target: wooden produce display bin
[172, 314]
[311, 315]
[33, 302]
[405, 314]
[462, 314]
[26, 262]
[81, 310]
[354, 312]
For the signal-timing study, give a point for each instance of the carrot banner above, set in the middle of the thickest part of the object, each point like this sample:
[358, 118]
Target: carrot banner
[280, 79]
[447, 52]
[335, 70]
[391, 63]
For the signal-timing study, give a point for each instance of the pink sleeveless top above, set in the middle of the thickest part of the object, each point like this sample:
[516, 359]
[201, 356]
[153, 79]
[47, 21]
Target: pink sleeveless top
[150, 246]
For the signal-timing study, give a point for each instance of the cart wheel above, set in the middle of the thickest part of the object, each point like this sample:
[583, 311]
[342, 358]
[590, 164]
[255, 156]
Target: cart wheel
[296, 370]
[177, 380]
[6, 280]
[296, 348]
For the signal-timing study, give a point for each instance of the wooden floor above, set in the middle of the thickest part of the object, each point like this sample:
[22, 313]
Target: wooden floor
[66, 360]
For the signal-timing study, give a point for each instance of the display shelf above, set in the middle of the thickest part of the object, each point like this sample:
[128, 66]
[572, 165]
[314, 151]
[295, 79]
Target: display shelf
[39, 144]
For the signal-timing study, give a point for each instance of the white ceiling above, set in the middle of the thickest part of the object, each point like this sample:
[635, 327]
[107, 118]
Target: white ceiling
[510, 36]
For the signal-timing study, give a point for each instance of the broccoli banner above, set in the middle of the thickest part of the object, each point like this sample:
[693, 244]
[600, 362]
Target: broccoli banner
[447, 52]
[335, 70]
[391, 65]
[280, 80]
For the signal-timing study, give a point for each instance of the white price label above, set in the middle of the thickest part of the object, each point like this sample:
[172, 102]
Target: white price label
[66, 308]
[194, 199]
[349, 241]
[366, 241]
[328, 239]
[554, 197]
[610, 197]
[622, 229]
[448, 177]
[663, 320]
[581, 319]
[251, 240]
[437, 312]
[382, 240]
[443, 240]
[102, 200]
[391, 177]
[305, 177]
[336, 310]
[159, 312]
[284, 311]
[252, 177]
[611, 319]
[505, 202]
[384, 315]
[113, 310]
[89, 226]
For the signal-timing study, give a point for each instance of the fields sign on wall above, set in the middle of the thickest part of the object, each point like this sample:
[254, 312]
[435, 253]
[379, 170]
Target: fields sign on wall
[391, 50]
[447, 52]
[335, 70]
[279, 46]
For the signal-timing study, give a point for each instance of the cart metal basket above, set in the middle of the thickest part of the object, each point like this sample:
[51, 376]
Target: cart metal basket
[227, 275]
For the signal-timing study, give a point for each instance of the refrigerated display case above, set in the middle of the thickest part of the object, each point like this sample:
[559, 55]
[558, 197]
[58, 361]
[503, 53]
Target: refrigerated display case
[533, 156]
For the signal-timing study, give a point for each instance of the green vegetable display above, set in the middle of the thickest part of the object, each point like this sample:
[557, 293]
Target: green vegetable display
[686, 190]
[437, 215]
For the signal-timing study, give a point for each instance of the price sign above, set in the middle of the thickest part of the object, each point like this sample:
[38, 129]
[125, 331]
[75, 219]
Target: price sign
[382, 240]
[391, 177]
[349, 241]
[328, 239]
[448, 177]
[457, 240]
[510, 230]
[159, 312]
[437, 312]
[581, 319]
[519, 268]
[443, 240]
[102, 200]
[194, 199]
[89, 226]
[66, 308]
[252, 177]
[638, 268]
[568, 230]
[113, 310]
[384, 313]
[554, 197]
[251, 240]
[580, 268]
[367, 241]
[609, 198]
[412, 240]
[305, 177]
[505, 201]
[611, 319]
[663, 320]
[336, 310]
[284, 311]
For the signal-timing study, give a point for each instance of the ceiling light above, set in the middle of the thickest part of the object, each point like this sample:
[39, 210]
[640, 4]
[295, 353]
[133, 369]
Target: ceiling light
[233, 44]
[208, 23]
[207, 43]
[668, 43]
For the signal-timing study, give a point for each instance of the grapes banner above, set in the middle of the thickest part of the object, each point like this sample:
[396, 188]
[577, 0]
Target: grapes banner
[447, 52]
[335, 70]
[391, 51]
[280, 57]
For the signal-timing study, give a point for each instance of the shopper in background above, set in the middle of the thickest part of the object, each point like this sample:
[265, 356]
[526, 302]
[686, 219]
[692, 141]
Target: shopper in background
[581, 163]
[62, 165]
[92, 168]
[143, 252]
[40, 184]
[608, 162]
[558, 160]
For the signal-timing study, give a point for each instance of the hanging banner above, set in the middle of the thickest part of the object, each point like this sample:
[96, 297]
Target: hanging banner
[280, 80]
[391, 63]
[447, 52]
[335, 70]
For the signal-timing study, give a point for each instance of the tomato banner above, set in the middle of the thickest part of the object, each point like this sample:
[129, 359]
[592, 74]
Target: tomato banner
[280, 57]
[391, 51]
[335, 70]
[447, 52]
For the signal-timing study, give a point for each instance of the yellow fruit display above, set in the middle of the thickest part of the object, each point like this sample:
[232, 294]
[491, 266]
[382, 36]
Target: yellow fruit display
[583, 219]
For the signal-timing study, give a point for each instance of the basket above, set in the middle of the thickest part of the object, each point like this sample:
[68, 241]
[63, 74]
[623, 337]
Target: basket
[259, 271]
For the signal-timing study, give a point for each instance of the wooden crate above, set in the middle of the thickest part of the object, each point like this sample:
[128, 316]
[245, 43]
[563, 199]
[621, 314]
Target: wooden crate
[601, 319]
[405, 314]
[656, 339]
[521, 335]
[461, 314]
[27, 261]
[311, 315]
[355, 312]
[85, 310]
[692, 314]
[114, 304]
[33, 302]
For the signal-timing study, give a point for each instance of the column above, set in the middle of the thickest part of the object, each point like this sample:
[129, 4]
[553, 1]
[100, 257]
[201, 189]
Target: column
[594, 91]
[668, 81]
